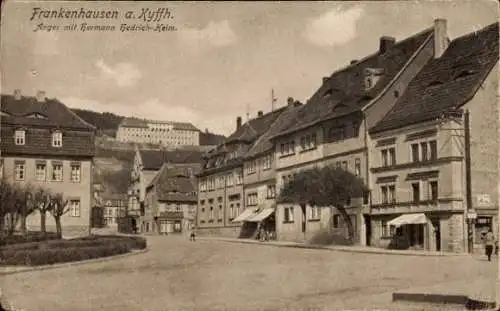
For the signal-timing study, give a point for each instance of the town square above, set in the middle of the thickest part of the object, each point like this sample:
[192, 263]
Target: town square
[249, 156]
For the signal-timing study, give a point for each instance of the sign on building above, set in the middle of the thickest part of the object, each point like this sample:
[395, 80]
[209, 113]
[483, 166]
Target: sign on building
[483, 200]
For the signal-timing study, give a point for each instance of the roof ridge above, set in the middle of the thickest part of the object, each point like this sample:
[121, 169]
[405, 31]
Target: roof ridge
[74, 114]
[475, 33]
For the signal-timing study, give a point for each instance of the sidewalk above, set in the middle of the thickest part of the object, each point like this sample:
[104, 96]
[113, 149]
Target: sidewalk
[339, 248]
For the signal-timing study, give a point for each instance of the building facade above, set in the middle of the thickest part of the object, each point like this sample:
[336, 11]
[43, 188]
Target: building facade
[420, 187]
[158, 132]
[45, 145]
[221, 196]
[332, 130]
[171, 199]
[115, 207]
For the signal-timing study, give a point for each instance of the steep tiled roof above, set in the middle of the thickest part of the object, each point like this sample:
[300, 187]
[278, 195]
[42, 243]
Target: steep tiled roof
[346, 86]
[174, 183]
[154, 159]
[51, 112]
[143, 123]
[447, 82]
[254, 128]
[285, 119]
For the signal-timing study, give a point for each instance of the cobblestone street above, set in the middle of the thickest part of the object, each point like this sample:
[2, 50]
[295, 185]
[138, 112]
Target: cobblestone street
[210, 275]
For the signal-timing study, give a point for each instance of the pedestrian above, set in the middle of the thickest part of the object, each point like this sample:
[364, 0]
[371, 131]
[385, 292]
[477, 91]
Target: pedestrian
[261, 234]
[192, 238]
[489, 241]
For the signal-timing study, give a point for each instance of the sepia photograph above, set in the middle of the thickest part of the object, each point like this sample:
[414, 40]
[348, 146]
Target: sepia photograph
[248, 155]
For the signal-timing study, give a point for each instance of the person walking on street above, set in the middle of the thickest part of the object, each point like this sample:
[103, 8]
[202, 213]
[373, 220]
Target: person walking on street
[489, 241]
[193, 234]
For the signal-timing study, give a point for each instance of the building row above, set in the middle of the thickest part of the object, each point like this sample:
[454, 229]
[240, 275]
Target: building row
[416, 121]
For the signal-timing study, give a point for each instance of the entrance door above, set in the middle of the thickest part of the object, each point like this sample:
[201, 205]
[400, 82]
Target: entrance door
[170, 227]
[368, 225]
[437, 233]
[163, 227]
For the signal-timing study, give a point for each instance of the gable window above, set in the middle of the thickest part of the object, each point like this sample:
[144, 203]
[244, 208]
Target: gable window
[40, 171]
[74, 208]
[19, 170]
[414, 153]
[57, 139]
[20, 137]
[57, 171]
[76, 171]
[288, 214]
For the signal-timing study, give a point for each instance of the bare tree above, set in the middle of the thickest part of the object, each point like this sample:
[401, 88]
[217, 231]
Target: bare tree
[59, 207]
[43, 202]
[6, 194]
[27, 206]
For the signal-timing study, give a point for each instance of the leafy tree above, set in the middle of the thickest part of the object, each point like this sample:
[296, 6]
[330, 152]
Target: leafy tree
[325, 186]
[6, 198]
[59, 207]
[43, 202]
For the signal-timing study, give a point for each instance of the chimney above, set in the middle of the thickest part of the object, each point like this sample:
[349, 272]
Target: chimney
[206, 130]
[325, 79]
[290, 101]
[260, 113]
[354, 61]
[440, 37]
[17, 94]
[40, 96]
[386, 43]
[238, 123]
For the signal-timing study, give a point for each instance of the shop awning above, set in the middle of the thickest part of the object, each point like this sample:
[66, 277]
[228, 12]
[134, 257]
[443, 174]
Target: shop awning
[250, 212]
[263, 214]
[408, 219]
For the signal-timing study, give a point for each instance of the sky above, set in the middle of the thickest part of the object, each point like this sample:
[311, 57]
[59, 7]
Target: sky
[222, 61]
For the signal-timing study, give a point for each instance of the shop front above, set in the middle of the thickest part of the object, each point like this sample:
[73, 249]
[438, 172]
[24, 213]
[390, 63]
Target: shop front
[257, 222]
[170, 223]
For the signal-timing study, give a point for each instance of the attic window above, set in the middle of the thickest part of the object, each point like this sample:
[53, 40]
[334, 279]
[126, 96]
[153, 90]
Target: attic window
[463, 74]
[57, 139]
[338, 106]
[20, 137]
[372, 75]
[328, 93]
[434, 83]
[36, 116]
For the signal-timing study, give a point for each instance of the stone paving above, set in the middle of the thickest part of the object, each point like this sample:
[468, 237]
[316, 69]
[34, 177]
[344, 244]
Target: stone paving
[176, 274]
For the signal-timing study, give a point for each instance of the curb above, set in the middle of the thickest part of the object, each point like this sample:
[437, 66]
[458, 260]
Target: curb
[70, 264]
[330, 248]
[463, 300]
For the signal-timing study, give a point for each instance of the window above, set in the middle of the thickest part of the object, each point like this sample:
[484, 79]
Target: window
[177, 226]
[40, 172]
[229, 179]
[337, 133]
[392, 194]
[177, 207]
[288, 148]
[423, 146]
[271, 191]
[315, 212]
[385, 195]
[392, 156]
[251, 167]
[366, 197]
[57, 172]
[288, 214]
[385, 161]
[239, 178]
[433, 148]
[344, 165]
[251, 199]
[57, 139]
[74, 208]
[385, 228]
[75, 172]
[19, 170]
[20, 137]
[357, 167]
[414, 153]
[308, 142]
[336, 221]
[434, 190]
[416, 192]
[338, 164]
[267, 161]
[211, 213]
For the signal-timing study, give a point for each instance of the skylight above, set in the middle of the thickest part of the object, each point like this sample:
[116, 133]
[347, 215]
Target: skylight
[434, 83]
[463, 74]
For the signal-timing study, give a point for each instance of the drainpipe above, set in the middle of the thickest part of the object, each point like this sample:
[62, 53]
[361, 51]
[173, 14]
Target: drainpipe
[468, 182]
[368, 181]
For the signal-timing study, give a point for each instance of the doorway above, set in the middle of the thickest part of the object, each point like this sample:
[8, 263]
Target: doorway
[368, 225]
[437, 233]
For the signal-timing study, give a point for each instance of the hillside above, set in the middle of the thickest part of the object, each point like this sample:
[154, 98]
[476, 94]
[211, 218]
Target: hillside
[107, 123]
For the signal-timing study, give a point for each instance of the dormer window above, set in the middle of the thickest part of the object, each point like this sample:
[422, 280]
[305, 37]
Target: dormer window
[20, 137]
[57, 139]
[372, 75]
